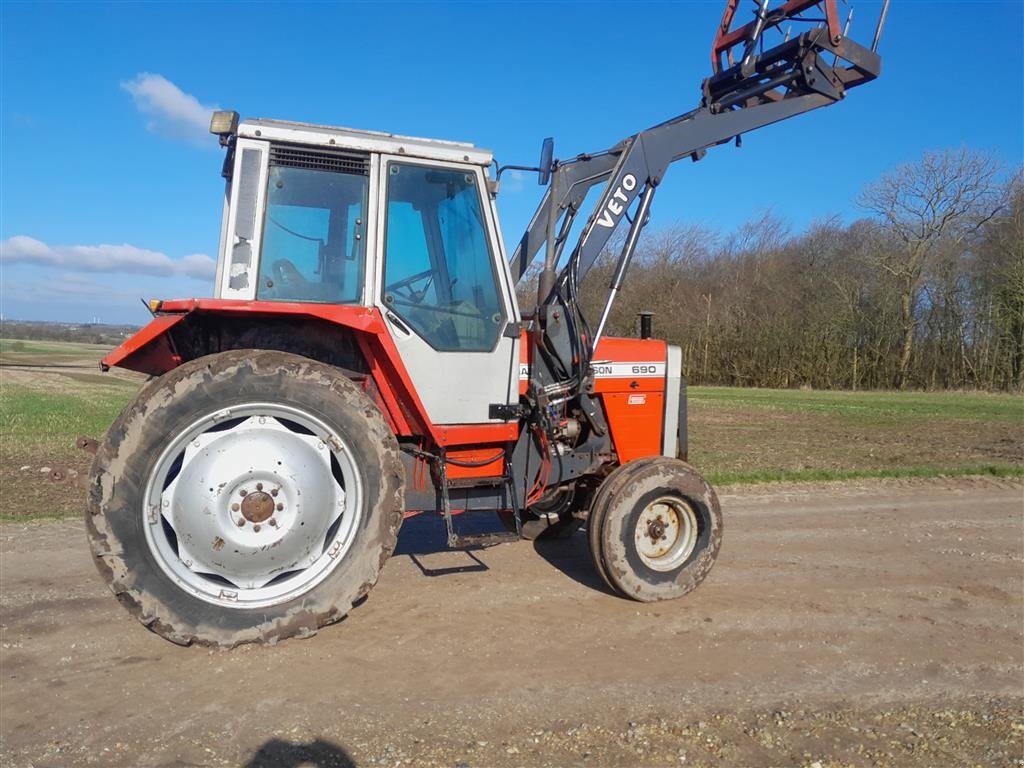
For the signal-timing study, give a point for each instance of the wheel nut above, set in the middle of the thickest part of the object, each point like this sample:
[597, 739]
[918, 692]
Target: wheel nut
[259, 486]
[240, 522]
[280, 506]
[256, 528]
[272, 522]
[234, 507]
[274, 492]
[243, 492]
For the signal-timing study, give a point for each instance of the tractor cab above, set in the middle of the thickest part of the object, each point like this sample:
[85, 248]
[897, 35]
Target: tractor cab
[322, 215]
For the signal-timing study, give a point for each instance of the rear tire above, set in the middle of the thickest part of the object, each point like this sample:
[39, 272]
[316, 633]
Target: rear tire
[246, 496]
[655, 529]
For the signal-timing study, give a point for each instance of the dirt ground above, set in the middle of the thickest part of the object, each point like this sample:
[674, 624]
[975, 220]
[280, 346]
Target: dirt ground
[871, 624]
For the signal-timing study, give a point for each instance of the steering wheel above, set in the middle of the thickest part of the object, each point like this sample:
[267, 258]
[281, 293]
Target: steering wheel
[288, 275]
[411, 294]
[283, 280]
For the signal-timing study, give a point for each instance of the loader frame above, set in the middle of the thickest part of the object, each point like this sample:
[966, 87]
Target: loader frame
[764, 87]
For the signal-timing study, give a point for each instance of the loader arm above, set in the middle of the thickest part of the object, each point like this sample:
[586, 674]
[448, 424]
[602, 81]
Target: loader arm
[760, 87]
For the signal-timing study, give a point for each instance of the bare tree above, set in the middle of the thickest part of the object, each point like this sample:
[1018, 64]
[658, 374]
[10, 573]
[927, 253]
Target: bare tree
[928, 292]
[1001, 279]
[940, 200]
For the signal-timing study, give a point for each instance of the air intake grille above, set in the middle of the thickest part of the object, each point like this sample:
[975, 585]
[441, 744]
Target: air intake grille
[337, 161]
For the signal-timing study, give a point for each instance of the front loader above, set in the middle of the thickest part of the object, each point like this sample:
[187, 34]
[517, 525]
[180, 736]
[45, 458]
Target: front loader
[365, 359]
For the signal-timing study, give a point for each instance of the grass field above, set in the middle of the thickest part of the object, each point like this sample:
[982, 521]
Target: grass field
[50, 393]
[750, 435]
[19, 351]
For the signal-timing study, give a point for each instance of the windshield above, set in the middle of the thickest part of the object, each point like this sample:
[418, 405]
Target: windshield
[314, 242]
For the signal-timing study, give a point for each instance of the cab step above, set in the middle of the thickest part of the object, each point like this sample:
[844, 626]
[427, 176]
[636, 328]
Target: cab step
[476, 540]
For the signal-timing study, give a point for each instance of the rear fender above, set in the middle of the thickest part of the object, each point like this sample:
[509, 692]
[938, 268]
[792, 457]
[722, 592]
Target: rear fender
[150, 350]
[353, 338]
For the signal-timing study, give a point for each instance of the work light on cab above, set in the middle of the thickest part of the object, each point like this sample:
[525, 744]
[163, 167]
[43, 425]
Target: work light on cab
[224, 123]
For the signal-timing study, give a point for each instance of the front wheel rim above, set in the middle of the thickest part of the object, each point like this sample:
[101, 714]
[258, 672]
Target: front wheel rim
[253, 505]
[666, 533]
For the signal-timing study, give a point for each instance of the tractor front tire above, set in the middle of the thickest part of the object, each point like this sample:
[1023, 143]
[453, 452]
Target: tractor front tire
[655, 529]
[246, 496]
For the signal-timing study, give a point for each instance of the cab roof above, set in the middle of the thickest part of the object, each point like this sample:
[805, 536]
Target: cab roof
[366, 141]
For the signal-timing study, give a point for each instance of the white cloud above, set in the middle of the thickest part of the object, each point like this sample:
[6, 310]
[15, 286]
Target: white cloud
[30, 293]
[59, 287]
[514, 181]
[172, 113]
[126, 259]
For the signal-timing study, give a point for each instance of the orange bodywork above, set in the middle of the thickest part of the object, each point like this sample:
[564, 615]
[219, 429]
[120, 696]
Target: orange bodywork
[629, 380]
[152, 351]
[633, 393]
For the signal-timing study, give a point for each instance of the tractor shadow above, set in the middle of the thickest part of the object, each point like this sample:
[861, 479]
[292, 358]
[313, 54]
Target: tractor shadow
[425, 535]
[572, 557]
[315, 754]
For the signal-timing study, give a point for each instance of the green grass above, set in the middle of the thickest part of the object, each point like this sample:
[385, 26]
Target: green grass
[766, 435]
[871, 407]
[44, 408]
[39, 429]
[51, 348]
[50, 513]
[51, 420]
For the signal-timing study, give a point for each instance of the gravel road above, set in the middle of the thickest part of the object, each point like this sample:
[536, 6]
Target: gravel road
[877, 624]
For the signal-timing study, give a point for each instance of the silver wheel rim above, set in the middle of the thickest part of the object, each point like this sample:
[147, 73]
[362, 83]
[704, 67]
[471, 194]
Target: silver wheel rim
[253, 505]
[666, 533]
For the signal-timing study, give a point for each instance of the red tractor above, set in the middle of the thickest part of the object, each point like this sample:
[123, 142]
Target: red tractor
[365, 359]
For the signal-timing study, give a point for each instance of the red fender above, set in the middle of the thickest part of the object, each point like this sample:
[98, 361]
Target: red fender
[151, 350]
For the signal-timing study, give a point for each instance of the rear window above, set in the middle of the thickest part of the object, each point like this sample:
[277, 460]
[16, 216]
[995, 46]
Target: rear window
[314, 230]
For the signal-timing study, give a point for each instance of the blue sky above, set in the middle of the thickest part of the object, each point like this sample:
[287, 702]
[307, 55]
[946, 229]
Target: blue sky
[110, 189]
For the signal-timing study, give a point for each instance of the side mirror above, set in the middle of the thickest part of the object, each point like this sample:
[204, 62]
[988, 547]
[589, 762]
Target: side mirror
[547, 151]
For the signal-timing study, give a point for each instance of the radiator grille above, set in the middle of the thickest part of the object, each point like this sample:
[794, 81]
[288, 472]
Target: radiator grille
[338, 161]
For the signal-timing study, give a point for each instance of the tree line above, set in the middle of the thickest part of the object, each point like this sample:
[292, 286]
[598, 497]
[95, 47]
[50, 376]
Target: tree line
[925, 291]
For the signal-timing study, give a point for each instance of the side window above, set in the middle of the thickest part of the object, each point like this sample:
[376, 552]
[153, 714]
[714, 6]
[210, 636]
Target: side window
[438, 269]
[313, 231]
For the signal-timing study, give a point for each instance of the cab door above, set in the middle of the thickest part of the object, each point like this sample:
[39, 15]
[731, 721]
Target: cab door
[444, 289]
